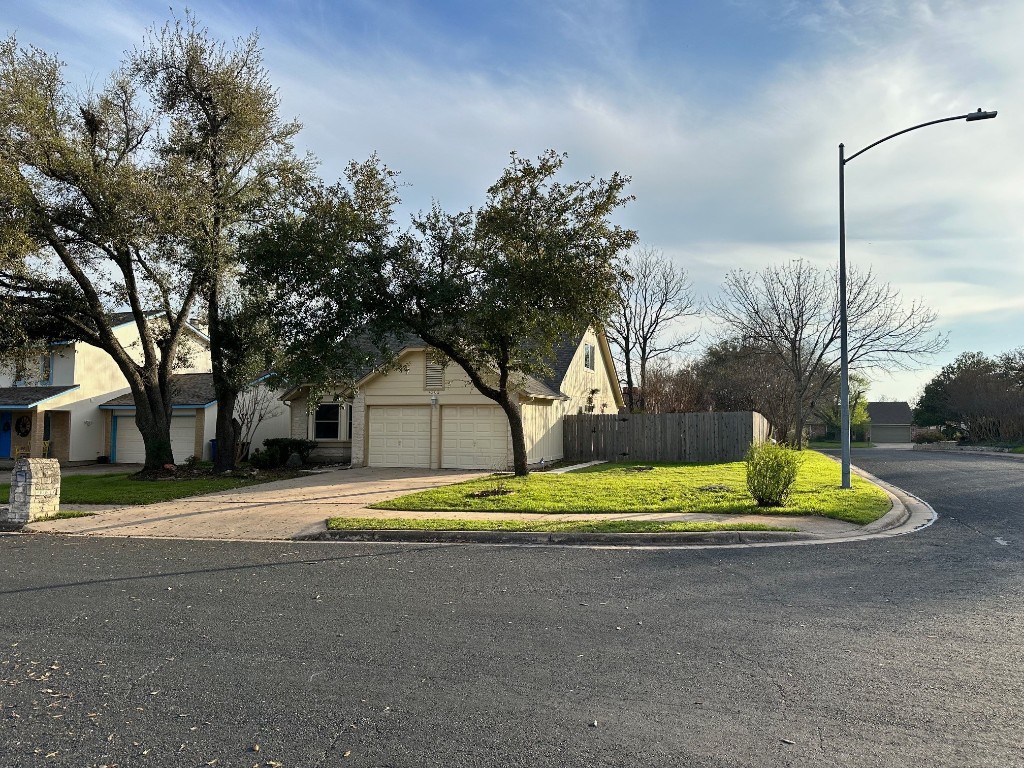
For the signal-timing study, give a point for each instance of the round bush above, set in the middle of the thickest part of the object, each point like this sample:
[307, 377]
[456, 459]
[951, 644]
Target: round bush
[771, 472]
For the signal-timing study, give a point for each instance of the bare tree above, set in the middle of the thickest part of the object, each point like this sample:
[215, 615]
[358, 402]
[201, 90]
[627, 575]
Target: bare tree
[254, 405]
[791, 313]
[654, 295]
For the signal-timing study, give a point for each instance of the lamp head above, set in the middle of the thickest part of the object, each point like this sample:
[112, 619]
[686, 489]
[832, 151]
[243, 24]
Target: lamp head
[979, 115]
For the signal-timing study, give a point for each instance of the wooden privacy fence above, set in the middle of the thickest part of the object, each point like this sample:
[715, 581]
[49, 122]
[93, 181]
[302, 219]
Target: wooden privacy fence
[662, 436]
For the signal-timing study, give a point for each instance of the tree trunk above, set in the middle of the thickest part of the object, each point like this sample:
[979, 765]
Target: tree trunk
[798, 419]
[628, 363]
[510, 405]
[152, 417]
[227, 432]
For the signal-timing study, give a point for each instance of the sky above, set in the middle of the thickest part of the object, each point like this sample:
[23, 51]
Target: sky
[726, 114]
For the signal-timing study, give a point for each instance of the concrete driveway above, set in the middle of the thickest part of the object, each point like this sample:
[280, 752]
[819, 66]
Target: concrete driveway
[277, 510]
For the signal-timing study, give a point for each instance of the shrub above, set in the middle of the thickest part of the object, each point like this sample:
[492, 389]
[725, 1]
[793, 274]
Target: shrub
[276, 451]
[771, 472]
[930, 436]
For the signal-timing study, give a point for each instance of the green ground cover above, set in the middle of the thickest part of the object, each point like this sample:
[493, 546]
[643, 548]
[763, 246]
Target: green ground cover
[121, 488]
[608, 488]
[546, 526]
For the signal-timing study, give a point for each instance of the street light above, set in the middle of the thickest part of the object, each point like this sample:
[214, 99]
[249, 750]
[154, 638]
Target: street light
[844, 371]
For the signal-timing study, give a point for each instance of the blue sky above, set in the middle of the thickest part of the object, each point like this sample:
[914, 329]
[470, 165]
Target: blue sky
[727, 114]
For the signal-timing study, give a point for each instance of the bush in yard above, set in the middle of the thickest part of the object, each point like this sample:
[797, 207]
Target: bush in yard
[771, 472]
[278, 449]
[930, 436]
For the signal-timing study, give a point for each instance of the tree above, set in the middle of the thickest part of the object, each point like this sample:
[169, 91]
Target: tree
[85, 223]
[496, 289]
[829, 408]
[790, 313]
[654, 295]
[231, 159]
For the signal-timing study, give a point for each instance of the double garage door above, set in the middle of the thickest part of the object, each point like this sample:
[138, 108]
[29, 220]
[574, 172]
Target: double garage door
[129, 449]
[472, 437]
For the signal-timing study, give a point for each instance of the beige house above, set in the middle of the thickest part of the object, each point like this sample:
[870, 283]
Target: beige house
[75, 404]
[54, 409]
[420, 414]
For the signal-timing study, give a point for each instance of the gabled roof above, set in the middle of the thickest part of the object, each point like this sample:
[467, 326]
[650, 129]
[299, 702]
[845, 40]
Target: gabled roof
[188, 390]
[21, 398]
[890, 413]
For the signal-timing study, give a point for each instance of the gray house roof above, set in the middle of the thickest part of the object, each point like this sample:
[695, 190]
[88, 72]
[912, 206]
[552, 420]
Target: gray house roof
[19, 398]
[890, 413]
[188, 390]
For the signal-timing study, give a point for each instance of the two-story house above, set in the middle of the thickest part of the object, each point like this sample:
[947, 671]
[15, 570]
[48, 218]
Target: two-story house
[74, 404]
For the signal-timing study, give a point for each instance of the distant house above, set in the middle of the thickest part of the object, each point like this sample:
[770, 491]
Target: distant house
[420, 414]
[890, 422]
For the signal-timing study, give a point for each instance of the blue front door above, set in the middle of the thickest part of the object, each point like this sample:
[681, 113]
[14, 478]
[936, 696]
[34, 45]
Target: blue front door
[5, 434]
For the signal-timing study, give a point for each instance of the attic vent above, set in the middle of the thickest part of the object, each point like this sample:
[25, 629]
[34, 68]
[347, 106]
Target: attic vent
[435, 376]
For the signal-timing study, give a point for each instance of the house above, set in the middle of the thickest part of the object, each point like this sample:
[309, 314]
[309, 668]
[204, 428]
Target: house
[420, 414]
[193, 421]
[54, 408]
[890, 422]
[75, 404]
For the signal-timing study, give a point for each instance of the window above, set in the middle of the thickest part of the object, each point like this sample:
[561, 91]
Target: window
[588, 356]
[327, 421]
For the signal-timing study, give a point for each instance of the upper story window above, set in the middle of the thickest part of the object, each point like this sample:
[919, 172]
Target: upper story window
[327, 422]
[589, 355]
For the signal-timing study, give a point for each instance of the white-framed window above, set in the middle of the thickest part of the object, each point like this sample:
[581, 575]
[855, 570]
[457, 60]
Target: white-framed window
[331, 421]
[589, 356]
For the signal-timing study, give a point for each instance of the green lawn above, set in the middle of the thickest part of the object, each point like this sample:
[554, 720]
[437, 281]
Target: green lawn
[713, 488]
[547, 526]
[1018, 449]
[121, 489]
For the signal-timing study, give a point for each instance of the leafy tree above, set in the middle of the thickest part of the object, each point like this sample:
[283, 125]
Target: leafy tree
[493, 289]
[230, 158]
[790, 313]
[85, 219]
[498, 288]
[829, 409]
[654, 296]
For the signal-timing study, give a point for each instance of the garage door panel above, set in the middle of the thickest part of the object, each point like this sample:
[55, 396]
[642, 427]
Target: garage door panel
[129, 447]
[474, 437]
[399, 436]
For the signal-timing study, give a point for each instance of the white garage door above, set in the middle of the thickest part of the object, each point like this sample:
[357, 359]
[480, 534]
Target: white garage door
[399, 436]
[129, 448]
[474, 437]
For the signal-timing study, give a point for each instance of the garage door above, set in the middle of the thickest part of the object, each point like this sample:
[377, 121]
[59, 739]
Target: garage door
[474, 437]
[129, 448]
[399, 436]
[890, 434]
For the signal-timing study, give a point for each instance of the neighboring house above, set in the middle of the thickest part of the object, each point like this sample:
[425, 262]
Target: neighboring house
[54, 408]
[420, 414]
[890, 422]
[193, 422]
[76, 406]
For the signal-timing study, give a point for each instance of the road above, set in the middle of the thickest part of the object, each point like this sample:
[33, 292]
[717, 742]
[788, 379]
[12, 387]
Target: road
[905, 651]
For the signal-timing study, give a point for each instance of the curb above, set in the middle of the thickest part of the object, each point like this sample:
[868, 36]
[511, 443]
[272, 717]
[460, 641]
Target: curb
[703, 538]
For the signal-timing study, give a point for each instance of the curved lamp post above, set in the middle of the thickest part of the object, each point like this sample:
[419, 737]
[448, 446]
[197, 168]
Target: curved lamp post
[844, 373]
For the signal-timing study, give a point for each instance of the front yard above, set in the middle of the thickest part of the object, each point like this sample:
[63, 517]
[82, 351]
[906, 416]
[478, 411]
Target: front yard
[121, 488]
[665, 488]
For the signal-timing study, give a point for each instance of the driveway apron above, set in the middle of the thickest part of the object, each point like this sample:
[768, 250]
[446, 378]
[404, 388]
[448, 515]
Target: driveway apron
[278, 510]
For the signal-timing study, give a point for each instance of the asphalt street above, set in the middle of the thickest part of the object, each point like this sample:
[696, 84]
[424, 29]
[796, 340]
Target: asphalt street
[905, 651]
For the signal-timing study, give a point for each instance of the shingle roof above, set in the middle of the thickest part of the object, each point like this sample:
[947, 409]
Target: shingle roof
[890, 413]
[187, 389]
[26, 397]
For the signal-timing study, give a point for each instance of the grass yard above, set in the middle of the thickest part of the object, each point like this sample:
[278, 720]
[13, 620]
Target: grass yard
[121, 489]
[548, 526]
[711, 488]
